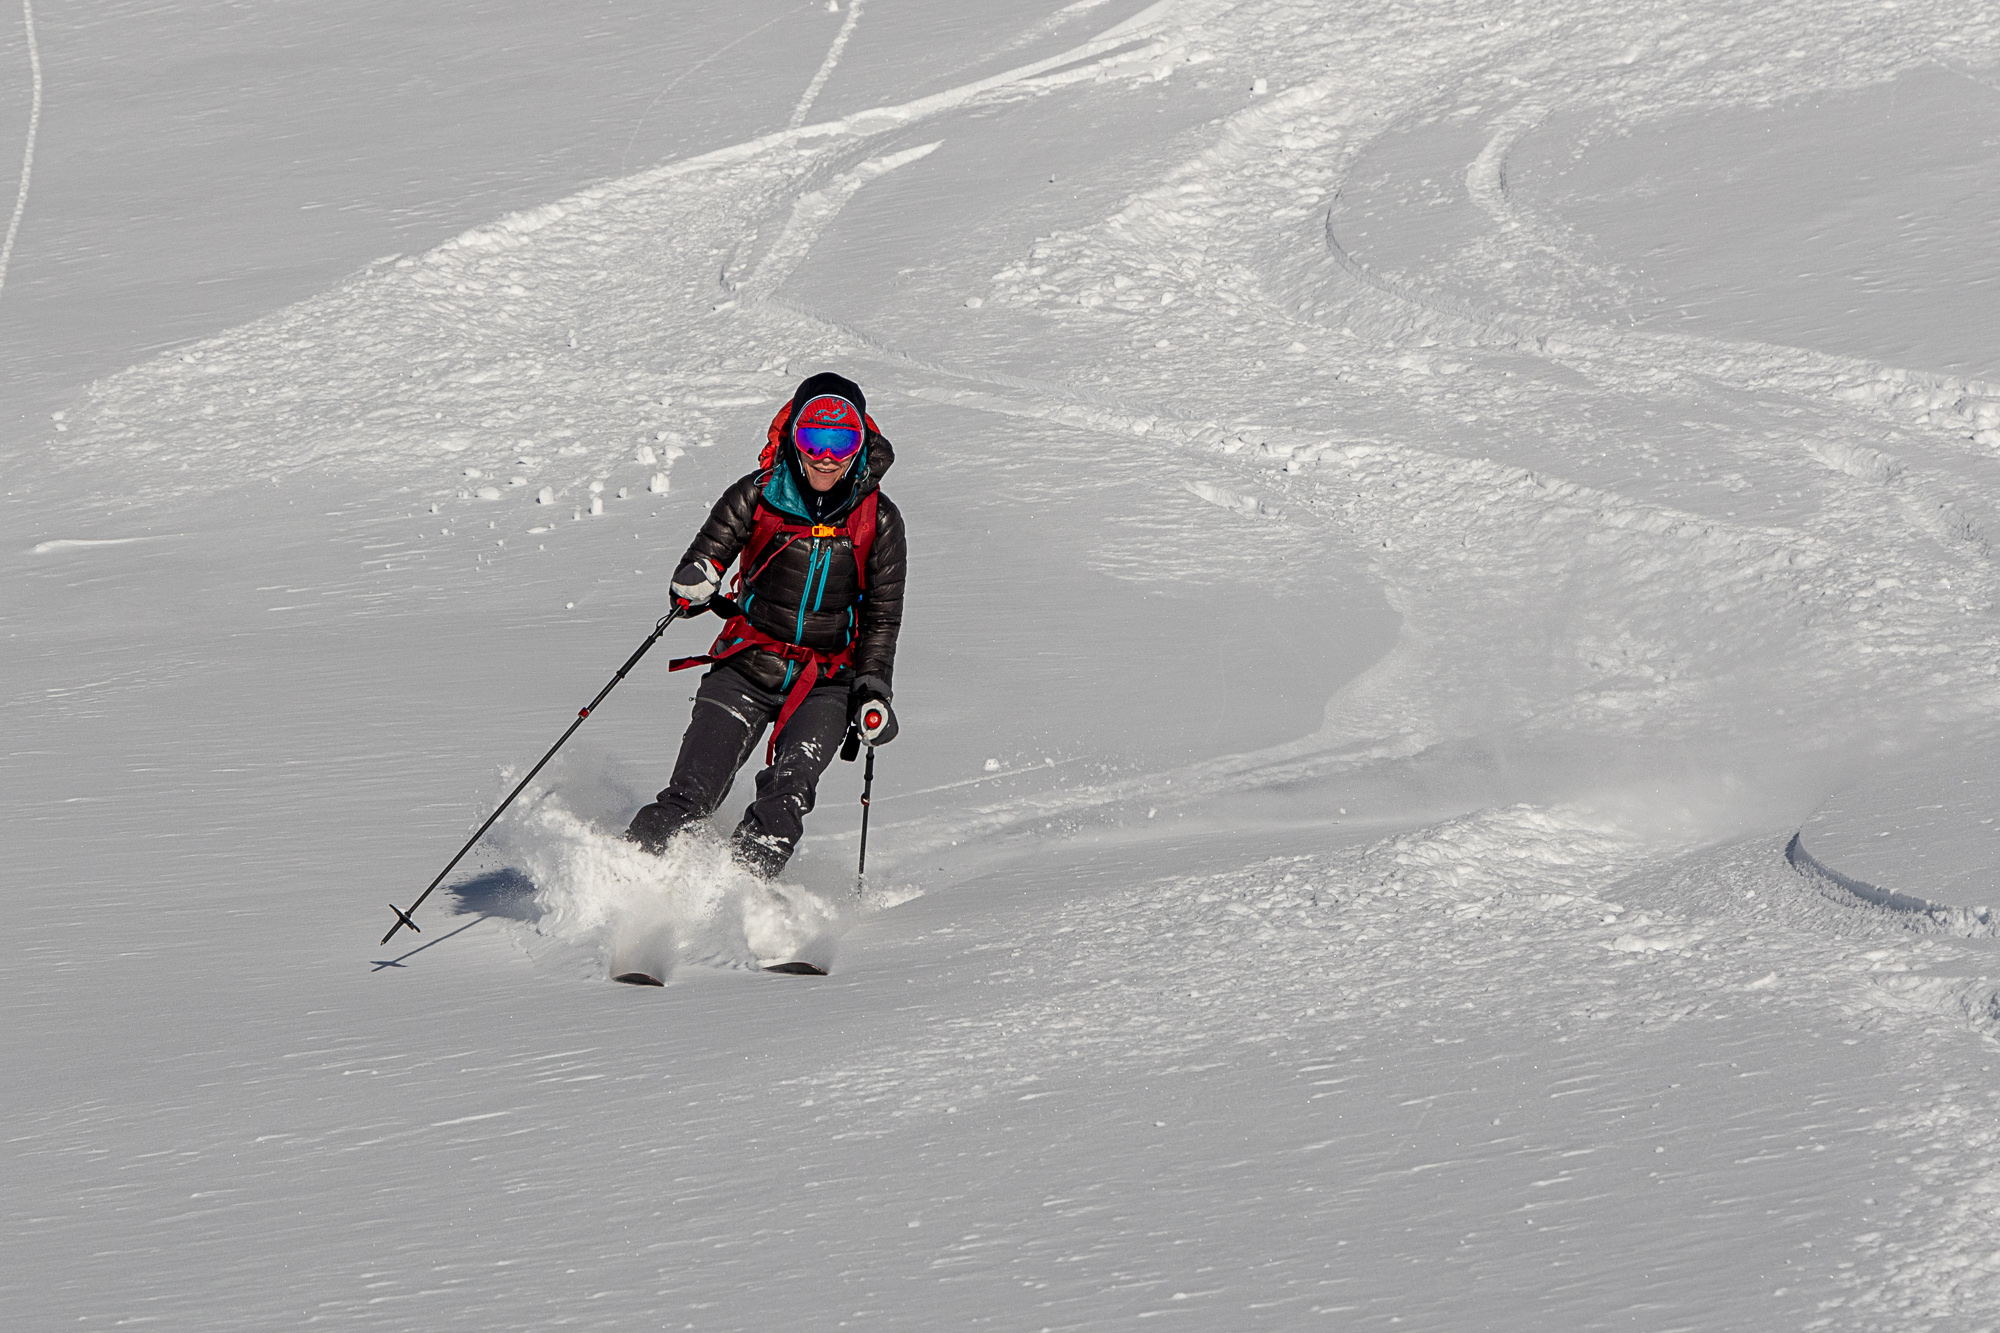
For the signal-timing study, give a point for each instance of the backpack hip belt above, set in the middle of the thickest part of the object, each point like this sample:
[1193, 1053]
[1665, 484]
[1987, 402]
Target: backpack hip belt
[740, 636]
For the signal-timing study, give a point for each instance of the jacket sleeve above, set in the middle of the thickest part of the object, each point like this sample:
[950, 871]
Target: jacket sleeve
[729, 525]
[882, 605]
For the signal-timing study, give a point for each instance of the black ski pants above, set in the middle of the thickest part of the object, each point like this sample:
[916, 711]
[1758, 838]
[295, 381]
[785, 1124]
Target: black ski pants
[730, 715]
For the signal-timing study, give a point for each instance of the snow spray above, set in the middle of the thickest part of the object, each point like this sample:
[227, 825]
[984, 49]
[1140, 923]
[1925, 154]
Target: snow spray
[635, 911]
[582, 714]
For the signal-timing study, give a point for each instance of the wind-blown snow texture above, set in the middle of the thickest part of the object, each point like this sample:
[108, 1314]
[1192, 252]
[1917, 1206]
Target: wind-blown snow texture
[1380, 869]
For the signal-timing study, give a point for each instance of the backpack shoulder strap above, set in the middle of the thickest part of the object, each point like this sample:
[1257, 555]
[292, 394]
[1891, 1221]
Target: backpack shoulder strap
[767, 524]
[861, 531]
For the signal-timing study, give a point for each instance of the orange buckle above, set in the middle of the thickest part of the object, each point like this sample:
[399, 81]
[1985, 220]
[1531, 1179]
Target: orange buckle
[821, 530]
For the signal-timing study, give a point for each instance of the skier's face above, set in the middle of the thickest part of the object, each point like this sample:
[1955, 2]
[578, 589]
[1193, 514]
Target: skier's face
[822, 473]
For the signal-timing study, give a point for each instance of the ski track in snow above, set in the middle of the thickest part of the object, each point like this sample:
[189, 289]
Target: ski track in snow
[696, 68]
[1217, 318]
[28, 147]
[825, 70]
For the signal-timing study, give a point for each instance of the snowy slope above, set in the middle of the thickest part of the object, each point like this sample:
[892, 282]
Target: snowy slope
[1450, 535]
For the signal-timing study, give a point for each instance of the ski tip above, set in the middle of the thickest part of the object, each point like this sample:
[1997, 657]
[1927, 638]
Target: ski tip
[638, 979]
[797, 969]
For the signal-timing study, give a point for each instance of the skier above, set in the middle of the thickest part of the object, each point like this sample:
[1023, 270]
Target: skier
[812, 622]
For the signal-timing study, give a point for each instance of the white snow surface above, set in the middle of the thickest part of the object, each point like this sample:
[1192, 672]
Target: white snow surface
[1447, 698]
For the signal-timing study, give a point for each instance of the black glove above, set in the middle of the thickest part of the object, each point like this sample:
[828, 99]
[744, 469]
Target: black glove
[868, 708]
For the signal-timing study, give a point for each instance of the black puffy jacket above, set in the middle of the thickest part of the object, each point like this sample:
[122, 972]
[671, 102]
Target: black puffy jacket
[809, 593]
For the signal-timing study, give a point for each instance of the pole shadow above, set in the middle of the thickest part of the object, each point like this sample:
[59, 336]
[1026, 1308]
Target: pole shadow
[381, 963]
[507, 894]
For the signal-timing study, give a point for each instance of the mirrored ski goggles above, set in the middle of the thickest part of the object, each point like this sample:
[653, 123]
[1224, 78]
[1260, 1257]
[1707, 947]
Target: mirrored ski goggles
[834, 442]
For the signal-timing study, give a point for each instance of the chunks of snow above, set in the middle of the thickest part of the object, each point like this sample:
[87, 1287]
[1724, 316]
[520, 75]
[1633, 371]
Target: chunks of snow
[1247, 505]
[1671, 942]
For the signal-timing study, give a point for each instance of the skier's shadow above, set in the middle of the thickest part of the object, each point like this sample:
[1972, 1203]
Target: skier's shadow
[507, 893]
[502, 893]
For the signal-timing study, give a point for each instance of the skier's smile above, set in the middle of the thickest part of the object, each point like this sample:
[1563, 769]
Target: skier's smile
[822, 473]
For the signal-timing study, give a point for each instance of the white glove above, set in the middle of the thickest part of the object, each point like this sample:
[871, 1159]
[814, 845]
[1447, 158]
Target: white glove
[695, 582]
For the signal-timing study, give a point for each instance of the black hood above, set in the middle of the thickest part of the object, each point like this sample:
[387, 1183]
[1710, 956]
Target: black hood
[826, 382]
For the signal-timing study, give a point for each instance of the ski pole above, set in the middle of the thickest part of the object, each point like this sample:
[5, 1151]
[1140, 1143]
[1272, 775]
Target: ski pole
[867, 790]
[402, 917]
